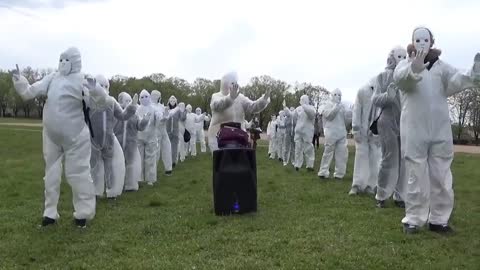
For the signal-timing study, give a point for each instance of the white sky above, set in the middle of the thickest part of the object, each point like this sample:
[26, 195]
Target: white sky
[336, 44]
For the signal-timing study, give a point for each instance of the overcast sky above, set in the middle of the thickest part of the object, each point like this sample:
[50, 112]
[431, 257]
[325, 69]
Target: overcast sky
[337, 44]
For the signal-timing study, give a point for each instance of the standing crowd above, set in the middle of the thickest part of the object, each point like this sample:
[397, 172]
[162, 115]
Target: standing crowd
[400, 123]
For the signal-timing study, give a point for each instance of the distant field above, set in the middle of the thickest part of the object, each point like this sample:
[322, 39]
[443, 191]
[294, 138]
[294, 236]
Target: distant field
[302, 222]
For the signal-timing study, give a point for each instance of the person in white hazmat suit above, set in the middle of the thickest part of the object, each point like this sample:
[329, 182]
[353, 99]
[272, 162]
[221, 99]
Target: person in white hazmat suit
[305, 115]
[191, 122]
[367, 144]
[126, 133]
[200, 133]
[107, 160]
[335, 137]
[147, 140]
[175, 115]
[425, 131]
[164, 147]
[391, 177]
[280, 148]
[289, 140]
[272, 137]
[229, 105]
[182, 145]
[65, 133]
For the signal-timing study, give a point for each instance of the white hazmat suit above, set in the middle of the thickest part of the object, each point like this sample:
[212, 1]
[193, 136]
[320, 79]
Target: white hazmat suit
[305, 115]
[164, 147]
[107, 160]
[367, 145]
[289, 140]
[147, 139]
[65, 133]
[200, 132]
[391, 177]
[281, 132]
[426, 134]
[191, 122]
[229, 105]
[335, 137]
[272, 137]
[126, 133]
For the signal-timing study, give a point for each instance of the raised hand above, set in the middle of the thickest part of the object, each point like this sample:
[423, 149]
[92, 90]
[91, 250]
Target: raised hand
[234, 91]
[135, 99]
[418, 62]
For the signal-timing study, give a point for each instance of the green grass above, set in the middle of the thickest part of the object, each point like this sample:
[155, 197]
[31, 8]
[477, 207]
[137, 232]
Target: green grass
[20, 120]
[302, 222]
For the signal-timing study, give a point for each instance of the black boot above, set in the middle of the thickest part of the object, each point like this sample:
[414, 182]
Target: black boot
[310, 169]
[48, 221]
[400, 204]
[297, 169]
[442, 229]
[168, 173]
[380, 204]
[81, 223]
[410, 229]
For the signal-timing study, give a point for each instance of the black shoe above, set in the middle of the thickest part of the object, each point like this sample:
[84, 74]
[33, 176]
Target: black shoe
[410, 229]
[322, 177]
[442, 229]
[173, 165]
[112, 198]
[130, 190]
[380, 204]
[337, 178]
[168, 173]
[297, 169]
[48, 221]
[81, 223]
[400, 204]
[280, 159]
[310, 169]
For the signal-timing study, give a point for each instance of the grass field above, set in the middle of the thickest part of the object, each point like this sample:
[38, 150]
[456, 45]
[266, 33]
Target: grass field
[302, 222]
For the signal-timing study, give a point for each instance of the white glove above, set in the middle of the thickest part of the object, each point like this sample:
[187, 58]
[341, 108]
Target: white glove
[135, 99]
[417, 62]
[476, 69]
[234, 91]
[20, 83]
[148, 115]
[165, 112]
[392, 90]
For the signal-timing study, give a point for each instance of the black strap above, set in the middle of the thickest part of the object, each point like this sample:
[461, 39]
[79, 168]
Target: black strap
[379, 115]
[86, 114]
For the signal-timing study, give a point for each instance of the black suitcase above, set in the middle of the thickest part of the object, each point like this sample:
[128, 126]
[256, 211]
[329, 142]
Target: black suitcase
[234, 181]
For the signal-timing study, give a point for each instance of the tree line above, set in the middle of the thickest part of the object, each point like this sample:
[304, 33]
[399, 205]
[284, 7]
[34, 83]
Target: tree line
[198, 93]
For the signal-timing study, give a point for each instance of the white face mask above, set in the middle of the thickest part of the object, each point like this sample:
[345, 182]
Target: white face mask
[198, 111]
[64, 66]
[189, 109]
[304, 100]
[145, 99]
[126, 100]
[421, 40]
[172, 101]
[399, 54]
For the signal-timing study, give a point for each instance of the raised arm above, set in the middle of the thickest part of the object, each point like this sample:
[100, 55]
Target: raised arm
[331, 110]
[220, 103]
[457, 81]
[385, 90]
[27, 91]
[357, 113]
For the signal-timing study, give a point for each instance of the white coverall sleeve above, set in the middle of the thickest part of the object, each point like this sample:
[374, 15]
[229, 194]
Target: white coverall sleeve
[123, 115]
[331, 111]
[27, 91]
[220, 104]
[310, 111]
[456, 81]
[404, 77]
[252, 107]
[357, 113]
[380, 97]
